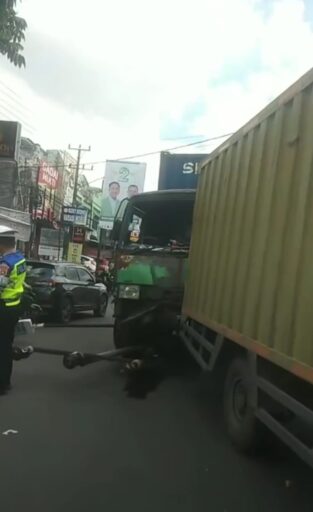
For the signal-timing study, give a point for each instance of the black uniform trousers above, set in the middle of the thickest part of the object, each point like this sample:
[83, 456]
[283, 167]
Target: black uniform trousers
[8, 319]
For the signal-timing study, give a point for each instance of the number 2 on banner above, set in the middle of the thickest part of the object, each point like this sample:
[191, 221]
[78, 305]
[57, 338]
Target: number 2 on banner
[123, 174]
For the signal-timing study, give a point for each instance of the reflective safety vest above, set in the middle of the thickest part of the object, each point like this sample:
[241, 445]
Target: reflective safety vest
[16, 272]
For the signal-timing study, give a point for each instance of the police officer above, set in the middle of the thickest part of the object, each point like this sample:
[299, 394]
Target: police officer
[12, 277]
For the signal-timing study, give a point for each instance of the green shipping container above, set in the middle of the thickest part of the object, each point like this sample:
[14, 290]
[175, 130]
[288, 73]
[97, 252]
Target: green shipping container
[250, 274]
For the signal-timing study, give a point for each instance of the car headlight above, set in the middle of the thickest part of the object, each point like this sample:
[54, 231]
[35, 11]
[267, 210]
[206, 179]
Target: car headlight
[129, 291]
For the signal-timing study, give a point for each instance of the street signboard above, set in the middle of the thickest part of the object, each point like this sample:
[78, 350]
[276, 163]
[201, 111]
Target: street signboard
[79, 234]
[51, 237]
[75, 215]
[106, 224]
[52, 252]
[74, 252]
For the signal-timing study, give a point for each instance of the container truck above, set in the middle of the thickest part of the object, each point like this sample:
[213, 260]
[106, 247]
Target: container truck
[248, 302]
[179, 171]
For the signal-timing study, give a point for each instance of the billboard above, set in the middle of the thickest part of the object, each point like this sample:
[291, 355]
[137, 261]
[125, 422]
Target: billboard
[48, 176]
[52, 237]
[122, 179]
[10, 140]
[51, 243]
[179, 171]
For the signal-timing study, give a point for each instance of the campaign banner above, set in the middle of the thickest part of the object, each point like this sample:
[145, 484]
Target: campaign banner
[122, 180]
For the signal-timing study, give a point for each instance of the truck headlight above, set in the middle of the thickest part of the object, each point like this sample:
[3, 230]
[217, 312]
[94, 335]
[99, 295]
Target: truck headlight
[129, 291]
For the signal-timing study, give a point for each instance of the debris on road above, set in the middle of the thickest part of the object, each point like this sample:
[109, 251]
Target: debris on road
[9, 431]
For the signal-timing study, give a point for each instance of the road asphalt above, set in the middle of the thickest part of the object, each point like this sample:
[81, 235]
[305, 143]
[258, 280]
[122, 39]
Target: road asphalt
[73, 441]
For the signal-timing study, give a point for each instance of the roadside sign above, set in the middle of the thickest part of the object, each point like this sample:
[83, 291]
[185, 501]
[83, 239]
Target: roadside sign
[106, 224]
[52, 252]
[79, 233]
[75, 215]
[74, 252]
[51, 237]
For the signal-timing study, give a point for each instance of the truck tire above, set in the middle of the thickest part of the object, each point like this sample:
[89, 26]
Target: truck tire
[242, 425]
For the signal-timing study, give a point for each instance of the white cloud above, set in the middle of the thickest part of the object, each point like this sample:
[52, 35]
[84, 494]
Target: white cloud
[104, 73]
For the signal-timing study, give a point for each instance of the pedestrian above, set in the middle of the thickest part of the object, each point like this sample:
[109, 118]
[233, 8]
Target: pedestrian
[12, 277]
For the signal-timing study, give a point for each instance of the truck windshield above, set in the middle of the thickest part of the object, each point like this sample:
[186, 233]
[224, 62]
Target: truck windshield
[159, 224]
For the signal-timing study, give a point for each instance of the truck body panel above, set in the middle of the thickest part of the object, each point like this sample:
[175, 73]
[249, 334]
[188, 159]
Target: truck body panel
[250, 272]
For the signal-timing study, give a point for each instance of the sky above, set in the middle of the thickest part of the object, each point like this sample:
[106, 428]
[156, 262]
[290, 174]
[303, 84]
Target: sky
[131, 77]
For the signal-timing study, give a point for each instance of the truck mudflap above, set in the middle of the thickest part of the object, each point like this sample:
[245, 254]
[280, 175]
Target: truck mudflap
[206, 348]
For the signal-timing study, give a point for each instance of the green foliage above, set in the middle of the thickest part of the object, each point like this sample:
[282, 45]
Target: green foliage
[12, 29]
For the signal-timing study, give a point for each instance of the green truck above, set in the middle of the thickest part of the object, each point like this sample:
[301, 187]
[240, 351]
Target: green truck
[152, 235]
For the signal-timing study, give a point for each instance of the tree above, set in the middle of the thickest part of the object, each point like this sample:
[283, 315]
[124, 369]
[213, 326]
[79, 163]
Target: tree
[12, 29]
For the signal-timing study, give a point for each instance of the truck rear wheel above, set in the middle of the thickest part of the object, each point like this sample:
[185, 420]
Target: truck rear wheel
[242, 425]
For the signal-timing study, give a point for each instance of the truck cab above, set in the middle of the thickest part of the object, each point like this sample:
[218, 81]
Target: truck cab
[152, 235]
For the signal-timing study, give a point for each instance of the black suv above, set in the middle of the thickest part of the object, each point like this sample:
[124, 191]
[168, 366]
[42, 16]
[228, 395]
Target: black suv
[64, 288]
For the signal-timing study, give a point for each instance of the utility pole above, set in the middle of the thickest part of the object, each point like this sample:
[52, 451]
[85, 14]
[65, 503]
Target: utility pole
[79, 150]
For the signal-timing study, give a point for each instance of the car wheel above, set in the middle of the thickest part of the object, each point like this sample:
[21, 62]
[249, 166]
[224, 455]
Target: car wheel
[100, 310]
[65, 311]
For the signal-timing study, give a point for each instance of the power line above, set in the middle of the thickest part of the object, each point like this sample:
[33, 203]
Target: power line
[156, 152]
[17, 104]
[12, 92]
[210, 139]
[186, 137]
[16, 116]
